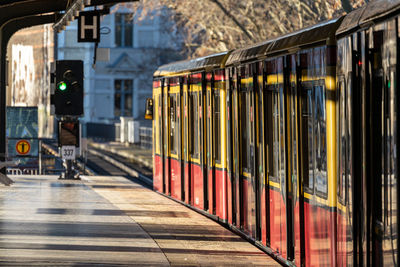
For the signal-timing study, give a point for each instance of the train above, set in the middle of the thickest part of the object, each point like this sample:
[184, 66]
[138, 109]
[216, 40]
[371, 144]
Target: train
[291, 142]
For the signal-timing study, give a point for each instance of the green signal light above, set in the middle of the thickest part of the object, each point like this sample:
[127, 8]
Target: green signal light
[62, 86]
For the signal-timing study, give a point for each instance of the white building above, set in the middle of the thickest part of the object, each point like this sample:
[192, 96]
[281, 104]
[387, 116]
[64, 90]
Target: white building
[120, 86]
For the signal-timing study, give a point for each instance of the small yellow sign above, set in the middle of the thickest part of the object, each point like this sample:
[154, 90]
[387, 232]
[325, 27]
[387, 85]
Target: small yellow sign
[23, 147]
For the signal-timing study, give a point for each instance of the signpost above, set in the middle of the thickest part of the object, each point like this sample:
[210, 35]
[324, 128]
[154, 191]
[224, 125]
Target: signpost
[89, 26]
[68, 140]
[23, 139]
[68, 152]
[23, 147]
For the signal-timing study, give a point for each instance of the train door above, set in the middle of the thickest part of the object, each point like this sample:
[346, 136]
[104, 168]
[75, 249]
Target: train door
[210, 146]
[237, 189]
[248, 155]
[219, 138]
[292, 189]
[158, 160]
[196, 127]
[181, 139]
[263, 188]
[259, 163]
[317, 114]
[390, 184]
[175, 147]
[186, 141]
[229, 145]
[384, 199]
[203, 141]
[345, 184]
[166, 141]
[276, 154]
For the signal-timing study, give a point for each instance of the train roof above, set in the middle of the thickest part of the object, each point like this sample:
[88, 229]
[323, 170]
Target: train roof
[373, 12]
[196, 64]
[292, 41]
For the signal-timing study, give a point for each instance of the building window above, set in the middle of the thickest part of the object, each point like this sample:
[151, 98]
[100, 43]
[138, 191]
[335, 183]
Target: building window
[123, 30]
[123, 98]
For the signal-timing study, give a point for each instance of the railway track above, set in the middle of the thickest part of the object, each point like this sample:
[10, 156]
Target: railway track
[101, 162]
[106, 163]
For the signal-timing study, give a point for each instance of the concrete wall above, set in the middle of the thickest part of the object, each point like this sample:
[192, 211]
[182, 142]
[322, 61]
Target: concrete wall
[29, 54]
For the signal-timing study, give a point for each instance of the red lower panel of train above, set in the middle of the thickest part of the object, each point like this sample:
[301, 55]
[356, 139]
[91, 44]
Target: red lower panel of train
[263, 217]
[221, 196]
[187, 184]
[176, 179]
[197, 182]
[210, 191]
[297, 236]
[230, 199]
[318, 222]
[167, 176]
[277, 221]
[157, 174]
[344, 245]
[245, 208]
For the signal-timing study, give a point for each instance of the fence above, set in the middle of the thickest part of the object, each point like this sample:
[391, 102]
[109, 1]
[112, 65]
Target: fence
[146, 137]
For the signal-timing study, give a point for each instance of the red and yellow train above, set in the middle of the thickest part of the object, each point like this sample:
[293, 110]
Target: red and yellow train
[293, 141]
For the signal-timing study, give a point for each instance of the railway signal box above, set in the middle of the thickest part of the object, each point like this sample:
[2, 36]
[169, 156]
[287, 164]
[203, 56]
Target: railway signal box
[68, 91]
[68, 133]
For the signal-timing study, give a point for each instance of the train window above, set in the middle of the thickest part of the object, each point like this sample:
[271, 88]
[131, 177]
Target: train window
[391, 169]
[260, 127]
[159, 105]
[349, 135]
[282, 142]
[173, 123]
[217, 128]
[307, 118]
[270, 134]
[342, 143]
[155, 122]
[244, 130]
[320, 175]
[276, 156]
[293, 121]
[314, 138]
[275, 137]
[193, 121]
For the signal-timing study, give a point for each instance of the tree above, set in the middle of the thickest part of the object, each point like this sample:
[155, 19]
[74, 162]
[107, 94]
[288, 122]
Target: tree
[211, 26]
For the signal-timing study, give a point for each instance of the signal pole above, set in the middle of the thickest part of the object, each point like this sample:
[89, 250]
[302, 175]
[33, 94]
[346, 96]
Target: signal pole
[67, 99]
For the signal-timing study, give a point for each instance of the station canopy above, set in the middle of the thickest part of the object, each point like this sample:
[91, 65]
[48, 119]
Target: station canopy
[14, 9]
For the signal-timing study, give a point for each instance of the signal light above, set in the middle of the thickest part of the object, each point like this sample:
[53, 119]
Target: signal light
[68, 94]
[62, 86]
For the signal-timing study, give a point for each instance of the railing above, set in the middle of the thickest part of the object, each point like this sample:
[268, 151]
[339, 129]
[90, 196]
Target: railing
[146, 137]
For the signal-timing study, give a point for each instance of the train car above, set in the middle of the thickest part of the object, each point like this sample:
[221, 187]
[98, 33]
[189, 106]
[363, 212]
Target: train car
[189, 133]
[292, 141]
[367, 79]
[281, 94]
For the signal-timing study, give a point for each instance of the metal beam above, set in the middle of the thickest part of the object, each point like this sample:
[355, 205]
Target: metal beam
[7, 30]
[70, 14]
[79, 5]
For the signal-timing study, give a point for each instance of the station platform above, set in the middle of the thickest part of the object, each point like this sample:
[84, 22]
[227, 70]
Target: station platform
[110, 221]
[128, 151]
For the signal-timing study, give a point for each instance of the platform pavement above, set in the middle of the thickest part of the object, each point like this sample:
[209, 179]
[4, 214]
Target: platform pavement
[129, 151]
[110, 221]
